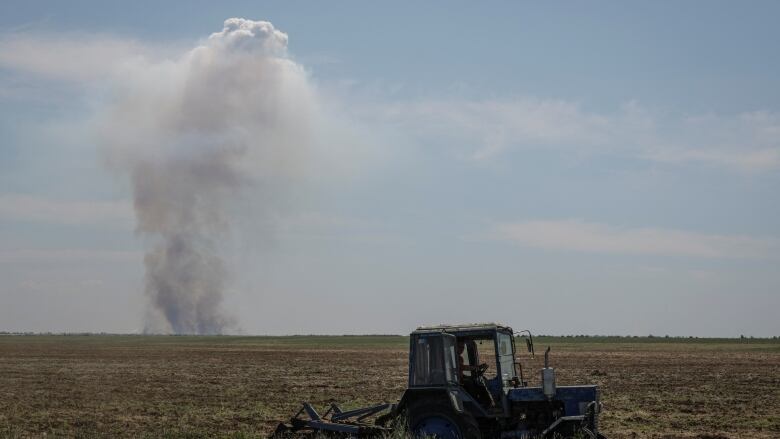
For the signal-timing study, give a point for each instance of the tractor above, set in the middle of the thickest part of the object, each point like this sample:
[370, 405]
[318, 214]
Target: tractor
[465, 383]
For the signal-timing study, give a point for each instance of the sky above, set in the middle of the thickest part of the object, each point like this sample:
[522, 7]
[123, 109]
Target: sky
[564, 167]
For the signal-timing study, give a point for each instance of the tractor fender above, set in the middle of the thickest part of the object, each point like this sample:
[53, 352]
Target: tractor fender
[457, 398]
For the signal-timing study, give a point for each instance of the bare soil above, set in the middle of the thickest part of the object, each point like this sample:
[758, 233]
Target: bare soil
[134, 386]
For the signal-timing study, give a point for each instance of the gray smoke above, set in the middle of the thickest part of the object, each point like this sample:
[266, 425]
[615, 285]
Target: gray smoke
[192, 134]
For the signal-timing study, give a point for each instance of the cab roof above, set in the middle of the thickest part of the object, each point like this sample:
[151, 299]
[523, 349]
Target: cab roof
[466, 327]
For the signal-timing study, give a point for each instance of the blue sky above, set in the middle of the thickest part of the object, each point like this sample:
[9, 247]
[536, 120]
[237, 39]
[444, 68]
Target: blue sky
[605, 168]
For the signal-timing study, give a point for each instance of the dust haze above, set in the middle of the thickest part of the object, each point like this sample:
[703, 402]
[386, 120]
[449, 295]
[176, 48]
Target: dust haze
[192, 134]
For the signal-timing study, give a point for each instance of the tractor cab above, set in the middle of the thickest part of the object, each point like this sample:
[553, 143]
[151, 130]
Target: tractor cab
[478, 359]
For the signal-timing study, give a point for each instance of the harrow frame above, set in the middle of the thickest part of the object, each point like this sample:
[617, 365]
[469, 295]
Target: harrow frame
[335, 420]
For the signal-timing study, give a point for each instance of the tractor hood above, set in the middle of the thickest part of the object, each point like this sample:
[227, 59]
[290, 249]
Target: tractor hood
[575, 399]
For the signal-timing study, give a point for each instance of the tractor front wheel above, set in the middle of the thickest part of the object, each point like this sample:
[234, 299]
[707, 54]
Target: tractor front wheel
[435, 418]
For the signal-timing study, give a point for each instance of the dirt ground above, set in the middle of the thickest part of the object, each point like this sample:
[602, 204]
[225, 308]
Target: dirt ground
[137, 386]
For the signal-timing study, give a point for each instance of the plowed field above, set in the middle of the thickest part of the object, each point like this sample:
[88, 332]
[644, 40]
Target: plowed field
[138, 386]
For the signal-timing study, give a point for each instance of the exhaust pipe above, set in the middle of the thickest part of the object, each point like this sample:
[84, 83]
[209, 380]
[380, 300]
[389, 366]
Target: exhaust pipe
[548, 376]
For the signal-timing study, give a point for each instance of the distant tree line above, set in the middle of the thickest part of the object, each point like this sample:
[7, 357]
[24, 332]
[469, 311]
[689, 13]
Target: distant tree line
[541, 336]
[651, 336]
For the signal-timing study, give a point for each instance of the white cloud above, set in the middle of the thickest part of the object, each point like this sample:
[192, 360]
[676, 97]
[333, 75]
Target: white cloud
[487, 128]
[74, 57]
[17, 207]
[477, 130]
[747, 141]
[754, 160]
[587, 237]
[242, 34]
[492, 126]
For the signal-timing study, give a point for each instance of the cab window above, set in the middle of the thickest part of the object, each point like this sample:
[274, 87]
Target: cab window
[506, 359]
[434, 361]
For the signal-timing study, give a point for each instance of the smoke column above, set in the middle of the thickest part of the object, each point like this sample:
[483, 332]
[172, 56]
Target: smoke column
[192, 134]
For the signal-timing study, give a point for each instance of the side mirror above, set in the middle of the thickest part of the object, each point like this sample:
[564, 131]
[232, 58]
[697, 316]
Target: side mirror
[529, 342]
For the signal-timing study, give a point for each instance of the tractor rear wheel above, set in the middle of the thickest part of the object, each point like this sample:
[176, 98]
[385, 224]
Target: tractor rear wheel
[435, 418]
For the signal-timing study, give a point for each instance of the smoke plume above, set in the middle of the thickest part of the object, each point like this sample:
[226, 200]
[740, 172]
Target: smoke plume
[192, 134]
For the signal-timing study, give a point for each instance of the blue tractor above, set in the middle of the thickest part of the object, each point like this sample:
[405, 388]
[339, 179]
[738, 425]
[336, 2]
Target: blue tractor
[465, 383]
